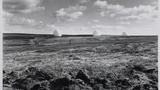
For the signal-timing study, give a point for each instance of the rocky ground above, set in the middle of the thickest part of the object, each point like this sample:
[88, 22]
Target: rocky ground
[99, 63]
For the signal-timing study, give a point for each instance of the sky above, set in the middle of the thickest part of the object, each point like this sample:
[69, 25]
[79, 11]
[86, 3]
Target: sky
[109, 17]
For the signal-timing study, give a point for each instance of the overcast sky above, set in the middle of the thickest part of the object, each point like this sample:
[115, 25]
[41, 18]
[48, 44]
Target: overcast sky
[81, 16]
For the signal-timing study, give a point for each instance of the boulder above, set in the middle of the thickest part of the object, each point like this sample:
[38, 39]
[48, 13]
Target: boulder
[4, 72]
[41, 86]
[98, 87]
[138, 87]
[79, 82]
[23, 84]
[41, 75]
[82, 74]
[60, 83]
[102, 81]
[122, 83]
[149, 71]
[74, 87]
[145, 87]
[36, 74]
[140, 68]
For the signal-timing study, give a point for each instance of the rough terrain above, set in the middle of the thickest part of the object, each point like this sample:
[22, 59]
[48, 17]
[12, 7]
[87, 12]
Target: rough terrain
[81, 63]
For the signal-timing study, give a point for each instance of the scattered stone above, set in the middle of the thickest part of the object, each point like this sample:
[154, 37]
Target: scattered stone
[74, 87]
[13, 74]
[73, 57]
[147, 87]
[4, 72]
[23, 84]
[41, 75]
[138, 87]
[98, 87]
[144, 87]
[79, 81]
[102, 81]
[123, 83]
[41, 86]
[36, 74]
[83, 75]
[70, 55]
[8, 78]
[140, 68]
[149, 71]
[153, 77]
[60, 83]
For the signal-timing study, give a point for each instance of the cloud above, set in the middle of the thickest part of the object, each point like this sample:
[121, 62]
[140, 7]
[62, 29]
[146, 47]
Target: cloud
[112, 15]
[101, 4]
[96, 21]
[102, 13]
[122, 10]
[75, 15]
[137, 10]
[125, 23]
[84, 1]
[140, 13]
[141, 16]
[21, 6]
[6, 14]
[115, 7]
[24, 22]
[155, 3]
[24, 25]
[108, 27]
[70, 13]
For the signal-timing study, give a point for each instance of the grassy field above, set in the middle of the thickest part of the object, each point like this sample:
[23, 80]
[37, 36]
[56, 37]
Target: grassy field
[105, 62]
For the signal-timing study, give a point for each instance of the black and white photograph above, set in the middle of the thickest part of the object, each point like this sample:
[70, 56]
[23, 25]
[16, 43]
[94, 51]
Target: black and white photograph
[80, 44]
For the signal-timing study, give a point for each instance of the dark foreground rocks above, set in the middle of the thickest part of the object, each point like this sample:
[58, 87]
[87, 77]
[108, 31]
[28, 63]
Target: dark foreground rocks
[136, 77]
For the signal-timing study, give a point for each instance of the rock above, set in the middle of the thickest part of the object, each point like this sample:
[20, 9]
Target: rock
[144, 87]
[79, 82]
[74, 87]
[23, 84]
[4, 72]
[98, 87]
[137, 77]
[37, 87]
[13, 74]
[141, 78]
[60, 83]
[140, 68]
[83, 75]
[147, 87]
[102, 81]
[92, 82]
[8, 78]
[41, 86]
[73, 57]
[41, 75]
[36, 74]
[153, 77]
[123, 83]
[149, 71]
[138, 87]
[32, 70]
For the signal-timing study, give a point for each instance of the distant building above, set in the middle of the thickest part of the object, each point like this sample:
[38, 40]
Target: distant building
[57, 33]
[124, 34]
[96, 33]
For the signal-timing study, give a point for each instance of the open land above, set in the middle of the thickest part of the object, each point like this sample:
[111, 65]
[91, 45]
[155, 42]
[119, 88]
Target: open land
[81, 63]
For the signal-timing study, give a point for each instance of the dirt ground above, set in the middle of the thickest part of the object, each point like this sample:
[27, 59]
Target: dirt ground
[97, 57]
